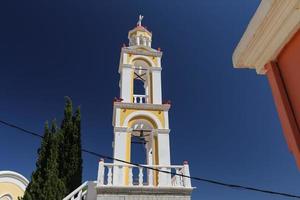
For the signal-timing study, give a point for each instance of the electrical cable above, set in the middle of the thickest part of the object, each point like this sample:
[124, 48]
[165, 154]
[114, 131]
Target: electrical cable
[234, 186]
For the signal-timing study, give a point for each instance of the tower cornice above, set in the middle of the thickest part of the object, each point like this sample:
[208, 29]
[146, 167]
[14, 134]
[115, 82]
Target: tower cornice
[128, 130]
[158, 107]
[139, 51]
[139, 28]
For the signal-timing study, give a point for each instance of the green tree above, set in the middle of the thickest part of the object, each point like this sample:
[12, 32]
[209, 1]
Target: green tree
[70, 148]
[54, 187]
[59, 164]
[46, 173]
[77, 178]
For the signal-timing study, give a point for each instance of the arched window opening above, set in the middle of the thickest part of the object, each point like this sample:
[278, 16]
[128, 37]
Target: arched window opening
[142, 63]
[142, 146]
[144, 41]
[132, 41]
[139, 91]
[139, 87]
[138, 40]
[141, 82]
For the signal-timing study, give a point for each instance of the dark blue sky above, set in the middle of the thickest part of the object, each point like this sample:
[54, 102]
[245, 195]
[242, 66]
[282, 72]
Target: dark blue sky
[223, 120]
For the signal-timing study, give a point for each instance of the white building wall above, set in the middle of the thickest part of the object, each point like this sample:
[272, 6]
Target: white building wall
[164, 158]
[124, 58]
[142, 197]
[156, 86]
[119, 153]
[166, 115]
[126, 83]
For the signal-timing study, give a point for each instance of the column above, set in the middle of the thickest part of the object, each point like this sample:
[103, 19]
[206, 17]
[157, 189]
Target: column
[126, 83]
[120, 152]
[156, 86]
[164, 157]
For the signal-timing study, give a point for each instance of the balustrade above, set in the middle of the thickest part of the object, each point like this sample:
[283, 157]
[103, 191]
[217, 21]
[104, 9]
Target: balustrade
[137, 98]
[143, 176]
[79, 194]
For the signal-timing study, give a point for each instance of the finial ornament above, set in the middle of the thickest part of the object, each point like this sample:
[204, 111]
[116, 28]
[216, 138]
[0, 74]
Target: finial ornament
[139, 23]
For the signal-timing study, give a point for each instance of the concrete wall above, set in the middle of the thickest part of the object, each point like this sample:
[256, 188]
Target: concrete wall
[143, 193]
[142, 197]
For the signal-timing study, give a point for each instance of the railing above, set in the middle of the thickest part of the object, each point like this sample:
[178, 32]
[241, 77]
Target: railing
[79, 194]
[143, 176]
[138, 98]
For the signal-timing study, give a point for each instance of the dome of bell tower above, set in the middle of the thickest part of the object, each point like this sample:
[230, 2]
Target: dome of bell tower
[140, 36]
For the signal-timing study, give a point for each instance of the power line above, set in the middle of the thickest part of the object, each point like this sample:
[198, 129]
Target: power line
[21, 129]
[234, 186]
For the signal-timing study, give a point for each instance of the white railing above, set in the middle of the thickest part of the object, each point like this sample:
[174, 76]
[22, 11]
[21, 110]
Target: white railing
[79, 194]
[110, 174]
[138, 98]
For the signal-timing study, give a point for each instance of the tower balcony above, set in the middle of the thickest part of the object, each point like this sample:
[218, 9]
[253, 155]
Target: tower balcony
[139, 98]
[136, 182]
[143, 176]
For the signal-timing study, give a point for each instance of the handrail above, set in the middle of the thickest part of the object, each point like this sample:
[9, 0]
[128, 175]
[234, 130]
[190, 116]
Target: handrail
[123, 174]
[77, 191]
[140, 98]
[145, 166]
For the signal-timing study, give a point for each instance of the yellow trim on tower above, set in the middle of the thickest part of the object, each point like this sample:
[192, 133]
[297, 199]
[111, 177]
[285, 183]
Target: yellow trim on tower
[155, 159]
[158, 114]
[131, 86]
[128, 157]
[154, 149]
[151, 87]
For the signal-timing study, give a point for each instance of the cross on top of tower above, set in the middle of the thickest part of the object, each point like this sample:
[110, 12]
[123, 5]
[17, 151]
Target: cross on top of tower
[139, 23]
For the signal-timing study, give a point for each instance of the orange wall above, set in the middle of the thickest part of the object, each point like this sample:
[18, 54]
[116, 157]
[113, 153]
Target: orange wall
[284, 79]
[289, 66]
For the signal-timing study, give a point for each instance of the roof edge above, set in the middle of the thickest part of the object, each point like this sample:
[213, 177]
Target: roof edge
[14, 177]
[271, 27]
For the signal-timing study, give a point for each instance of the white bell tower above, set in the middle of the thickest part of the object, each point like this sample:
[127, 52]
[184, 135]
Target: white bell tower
[140, 116]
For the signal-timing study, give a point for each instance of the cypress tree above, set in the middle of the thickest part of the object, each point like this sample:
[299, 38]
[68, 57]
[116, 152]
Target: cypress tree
[59, 164]
[54, 188]
[77, 178]
[35, 188]
[45, 183]
[70, 148]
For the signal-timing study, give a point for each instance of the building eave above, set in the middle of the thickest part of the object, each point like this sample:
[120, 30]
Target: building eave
[270, 29]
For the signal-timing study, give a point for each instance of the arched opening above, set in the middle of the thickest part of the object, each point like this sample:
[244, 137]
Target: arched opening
[142, 140]
[144, 146]
[141, 86]
[141, 62]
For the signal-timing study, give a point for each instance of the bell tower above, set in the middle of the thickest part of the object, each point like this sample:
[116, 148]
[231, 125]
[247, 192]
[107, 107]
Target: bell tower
[139, 62]
[140, 117]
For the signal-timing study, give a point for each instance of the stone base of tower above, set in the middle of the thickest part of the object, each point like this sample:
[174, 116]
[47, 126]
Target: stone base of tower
[91, 191]
[144, 193]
